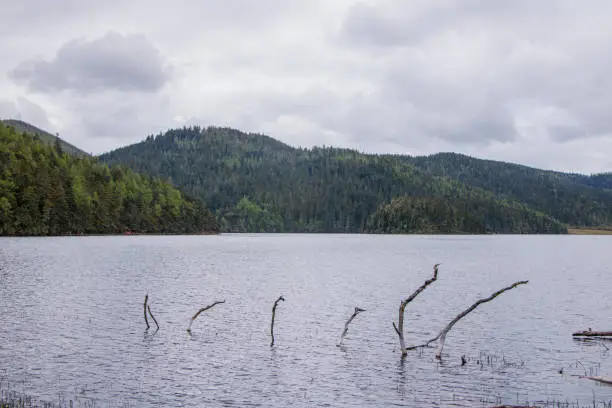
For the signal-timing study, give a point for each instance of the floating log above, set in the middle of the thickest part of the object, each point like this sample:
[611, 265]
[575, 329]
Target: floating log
[399, 329]
[589, 333]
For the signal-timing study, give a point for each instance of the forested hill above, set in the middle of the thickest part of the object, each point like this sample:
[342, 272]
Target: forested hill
[44, 136]
[256, 183]
[45, 191]
[575, 199]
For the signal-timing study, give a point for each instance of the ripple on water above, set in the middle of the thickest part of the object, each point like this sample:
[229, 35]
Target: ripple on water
[71, 319]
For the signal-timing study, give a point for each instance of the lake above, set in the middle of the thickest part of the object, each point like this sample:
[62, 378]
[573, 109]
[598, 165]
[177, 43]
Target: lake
[72, 325]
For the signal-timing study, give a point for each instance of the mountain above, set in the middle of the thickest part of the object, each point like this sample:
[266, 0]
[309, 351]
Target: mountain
[435, 215]
[574, 199]
[44, 136]
[256, 183]
[46, 191]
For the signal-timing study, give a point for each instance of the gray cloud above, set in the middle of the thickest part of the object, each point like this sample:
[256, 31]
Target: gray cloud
[27, 110]
[520, 80]
[114, 61]
[468, 66]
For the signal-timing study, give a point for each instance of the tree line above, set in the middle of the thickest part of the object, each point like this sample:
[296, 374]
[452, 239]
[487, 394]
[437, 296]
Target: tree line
[46, 191]
[254, 183]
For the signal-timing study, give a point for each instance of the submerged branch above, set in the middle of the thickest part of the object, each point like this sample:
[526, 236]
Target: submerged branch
[399, 329]
[442, 335]
[590, 333]
[145, 310]
[273, 315]
[202, 310]
[346, 326]
[153, 317]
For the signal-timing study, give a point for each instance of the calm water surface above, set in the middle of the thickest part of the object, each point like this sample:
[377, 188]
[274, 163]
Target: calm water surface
[71, 319]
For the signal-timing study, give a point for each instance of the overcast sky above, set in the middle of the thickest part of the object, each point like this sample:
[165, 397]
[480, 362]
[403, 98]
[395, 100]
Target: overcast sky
[517, 80]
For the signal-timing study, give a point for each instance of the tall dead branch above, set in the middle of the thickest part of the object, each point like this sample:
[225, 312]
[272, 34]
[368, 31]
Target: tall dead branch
[441, 337]
[203, 310]
[399, 329]
[145, 310]
[273, 315]
[346, 326]
[153, 317]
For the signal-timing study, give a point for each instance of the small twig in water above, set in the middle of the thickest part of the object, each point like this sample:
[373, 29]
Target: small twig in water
[145, 310]
[273, 316]
[153, 317]
[202, 310]
[346, 326]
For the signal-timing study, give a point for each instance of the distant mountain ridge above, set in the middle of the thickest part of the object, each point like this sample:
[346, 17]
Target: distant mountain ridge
[255, 183]
[337, 190]
[44, 136]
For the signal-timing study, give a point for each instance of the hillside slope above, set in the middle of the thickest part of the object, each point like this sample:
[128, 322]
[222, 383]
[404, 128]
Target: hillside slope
[256, 183]
[44, 191]
[44, 136]
[572, 198]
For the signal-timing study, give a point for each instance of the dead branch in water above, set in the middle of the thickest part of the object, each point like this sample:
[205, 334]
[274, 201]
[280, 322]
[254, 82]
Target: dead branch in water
[273, 315]
[399, 329]
[590, 333]
[442, 335]
[153, 317]
[346, 326]
[602, 380]
[202, 310]
[145, 310]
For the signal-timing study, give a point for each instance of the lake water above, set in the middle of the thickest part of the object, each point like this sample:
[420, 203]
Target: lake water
[72, 326]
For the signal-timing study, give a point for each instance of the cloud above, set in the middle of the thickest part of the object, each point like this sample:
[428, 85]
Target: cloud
[114, 61]
[521, 80]
[26, 110]
[469, 69]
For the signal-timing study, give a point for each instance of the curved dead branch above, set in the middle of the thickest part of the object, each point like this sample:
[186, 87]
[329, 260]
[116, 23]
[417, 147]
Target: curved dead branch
[346, 326]
[399, 329]
[145, 310]
[203, 310]
[153, 317]
[442, 335]
[273, 315]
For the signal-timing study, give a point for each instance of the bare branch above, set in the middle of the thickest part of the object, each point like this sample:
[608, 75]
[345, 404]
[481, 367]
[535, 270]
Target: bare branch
[346, 326]
[153, 317]
[602, 380]
[145, 310]
[590, 333]
[273, 315]
[203, 310]
[399, 329]
[442, 335]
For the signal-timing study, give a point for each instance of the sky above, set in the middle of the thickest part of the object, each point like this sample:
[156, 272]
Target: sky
[514, 80]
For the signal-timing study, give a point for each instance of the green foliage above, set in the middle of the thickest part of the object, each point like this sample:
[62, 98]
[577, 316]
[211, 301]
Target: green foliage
[430, 215]
[255, 183]
[574, 199]
[44, 191]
